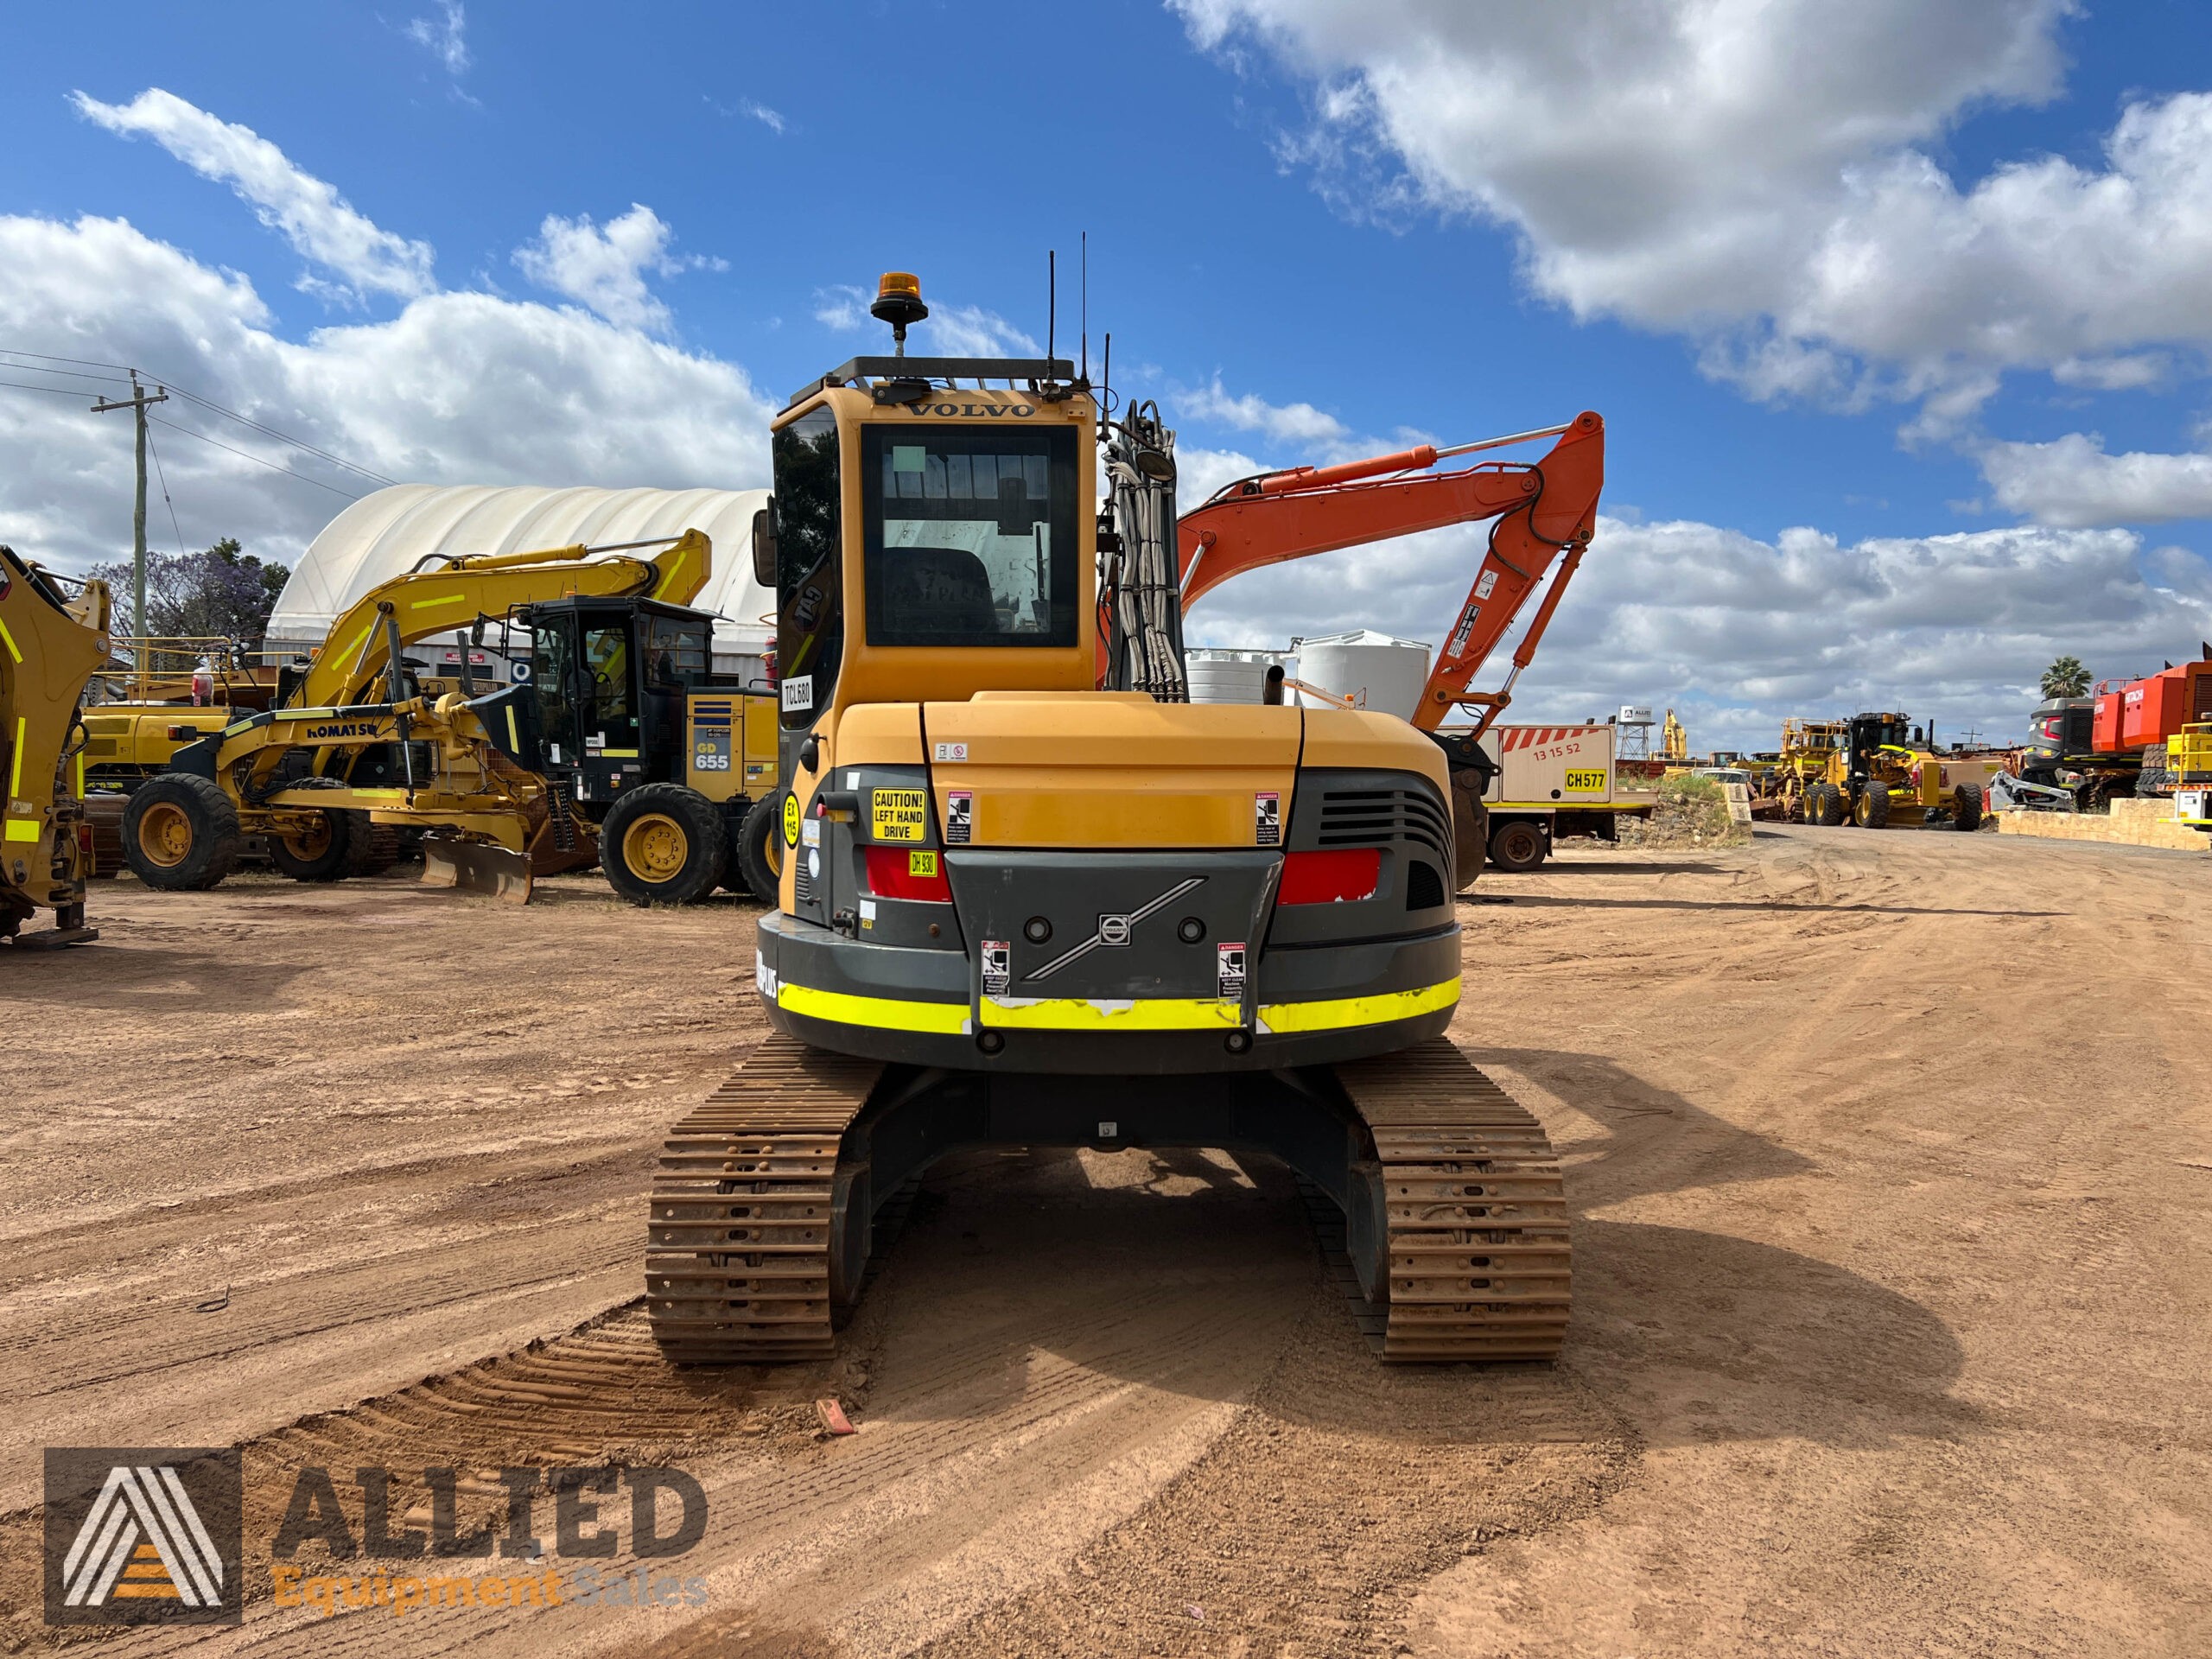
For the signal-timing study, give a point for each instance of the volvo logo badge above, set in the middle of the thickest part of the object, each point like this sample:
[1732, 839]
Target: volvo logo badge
[1115, 930]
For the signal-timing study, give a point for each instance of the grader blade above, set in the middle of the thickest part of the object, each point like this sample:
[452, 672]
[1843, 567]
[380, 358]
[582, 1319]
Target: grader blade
[474, 867]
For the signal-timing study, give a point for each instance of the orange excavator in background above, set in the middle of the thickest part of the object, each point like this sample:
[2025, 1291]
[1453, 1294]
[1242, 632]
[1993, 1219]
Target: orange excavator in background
[1546, 511]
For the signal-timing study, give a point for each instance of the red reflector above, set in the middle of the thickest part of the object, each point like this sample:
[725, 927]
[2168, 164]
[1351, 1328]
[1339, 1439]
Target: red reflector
[908, 872]
[1324, 878]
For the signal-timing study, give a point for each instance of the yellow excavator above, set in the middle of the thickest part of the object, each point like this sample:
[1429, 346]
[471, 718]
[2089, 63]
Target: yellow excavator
[1020, 907]
[350, 744]
[52, 640]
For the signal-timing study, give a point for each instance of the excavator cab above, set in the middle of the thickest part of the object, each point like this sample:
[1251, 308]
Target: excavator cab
[1015, 909]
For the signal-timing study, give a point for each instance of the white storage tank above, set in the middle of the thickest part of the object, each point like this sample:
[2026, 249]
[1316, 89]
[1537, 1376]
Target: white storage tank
[1373, 670]
[1221, 675]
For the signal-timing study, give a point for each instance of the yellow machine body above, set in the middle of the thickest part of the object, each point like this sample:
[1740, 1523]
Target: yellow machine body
[51, 642]
[1002, 760]
[731, 738]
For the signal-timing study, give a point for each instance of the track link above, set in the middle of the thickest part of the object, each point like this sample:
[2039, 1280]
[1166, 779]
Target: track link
[737, 1249]
[1477, 1251]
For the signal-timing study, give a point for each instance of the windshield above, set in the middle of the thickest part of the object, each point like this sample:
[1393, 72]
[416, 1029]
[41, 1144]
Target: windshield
[971, 536]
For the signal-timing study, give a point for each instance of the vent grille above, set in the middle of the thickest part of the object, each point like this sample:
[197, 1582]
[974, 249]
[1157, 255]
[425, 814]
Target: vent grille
[1424, 886]
[2203, 689]
[1376, 818]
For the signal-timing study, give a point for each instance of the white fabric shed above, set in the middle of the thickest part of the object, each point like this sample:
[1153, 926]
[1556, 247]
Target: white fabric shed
[395, 530]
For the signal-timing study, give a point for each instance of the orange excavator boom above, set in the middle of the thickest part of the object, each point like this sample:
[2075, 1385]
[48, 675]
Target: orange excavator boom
[1546, 511]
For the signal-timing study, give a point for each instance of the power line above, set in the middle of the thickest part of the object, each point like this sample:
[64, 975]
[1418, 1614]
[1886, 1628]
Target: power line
[64, 392]
[270, 431]
[82, 362]
[257, 460]
[59, 391]
[300, 444]
[67, 374]
[166, 502]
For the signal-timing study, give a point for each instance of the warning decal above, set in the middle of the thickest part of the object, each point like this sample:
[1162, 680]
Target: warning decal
[1229, 957]
[998, 967]
[1267, 819]
[959, 816]
[898, 814]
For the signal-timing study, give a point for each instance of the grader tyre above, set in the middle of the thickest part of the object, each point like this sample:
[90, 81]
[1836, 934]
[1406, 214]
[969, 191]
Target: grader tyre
[759, 857]
[332, 852]
[181, 833]
[664, 844]
[1871, 809]
[1824, 804]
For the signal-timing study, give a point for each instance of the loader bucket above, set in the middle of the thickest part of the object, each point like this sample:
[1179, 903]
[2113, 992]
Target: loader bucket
[475, 866]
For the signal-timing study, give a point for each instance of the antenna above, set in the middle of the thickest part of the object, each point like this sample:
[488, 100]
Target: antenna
[1107, 400]
[1084, 305]
[1052, 304]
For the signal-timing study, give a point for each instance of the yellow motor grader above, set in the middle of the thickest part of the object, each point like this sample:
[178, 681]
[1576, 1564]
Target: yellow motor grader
[622, 699]
[52, 639]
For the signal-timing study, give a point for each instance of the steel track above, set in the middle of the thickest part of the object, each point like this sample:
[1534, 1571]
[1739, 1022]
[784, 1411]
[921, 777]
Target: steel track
[737, 1246]
[1476, 1249]
[1475, 1256]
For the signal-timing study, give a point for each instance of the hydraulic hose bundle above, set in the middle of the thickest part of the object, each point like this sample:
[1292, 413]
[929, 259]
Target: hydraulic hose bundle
[1143, 598]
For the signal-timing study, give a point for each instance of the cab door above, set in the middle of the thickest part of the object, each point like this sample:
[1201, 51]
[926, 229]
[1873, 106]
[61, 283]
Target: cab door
[608, 705]
[553, 672]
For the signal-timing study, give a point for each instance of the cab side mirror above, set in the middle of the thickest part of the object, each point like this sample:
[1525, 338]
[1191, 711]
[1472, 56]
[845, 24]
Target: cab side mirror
[764, 545]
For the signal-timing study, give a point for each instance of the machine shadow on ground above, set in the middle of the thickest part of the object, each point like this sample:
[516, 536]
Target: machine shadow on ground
[149, 980]
[1201, 1279]
[1783, 1343]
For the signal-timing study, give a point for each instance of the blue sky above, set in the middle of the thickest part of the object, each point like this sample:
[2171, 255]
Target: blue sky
[1898, 320]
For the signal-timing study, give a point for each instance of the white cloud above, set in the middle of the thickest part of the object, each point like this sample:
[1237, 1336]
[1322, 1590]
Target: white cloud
[1199, 471]
[313, 217]
[457, 388]
[1288, 423]
[2072, 481]
[1954, 627]
[444, 38]
[841, 305]
[767, 117]
[2124, 373]
[605, 269]
[1756, 176]
[971, 330]
[948, 330]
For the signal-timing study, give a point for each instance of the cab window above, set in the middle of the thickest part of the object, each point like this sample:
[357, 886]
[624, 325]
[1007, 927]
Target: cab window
[970, 536]
[809, 595]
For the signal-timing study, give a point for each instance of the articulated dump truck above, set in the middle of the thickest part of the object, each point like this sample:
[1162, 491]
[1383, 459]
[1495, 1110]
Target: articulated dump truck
[54, 636]
[1016, 908]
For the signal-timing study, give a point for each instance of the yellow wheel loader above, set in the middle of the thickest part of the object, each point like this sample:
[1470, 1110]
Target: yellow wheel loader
[50, 642]
[1017, 908]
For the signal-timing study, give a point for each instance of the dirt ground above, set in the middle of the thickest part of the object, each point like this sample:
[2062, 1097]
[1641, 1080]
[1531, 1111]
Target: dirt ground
[1891, 1162]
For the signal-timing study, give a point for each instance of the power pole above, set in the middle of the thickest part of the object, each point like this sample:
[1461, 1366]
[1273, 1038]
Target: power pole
[137, 402]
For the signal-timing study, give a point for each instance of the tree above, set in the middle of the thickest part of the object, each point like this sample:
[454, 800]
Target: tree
[2066, 679]
[223, 593]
